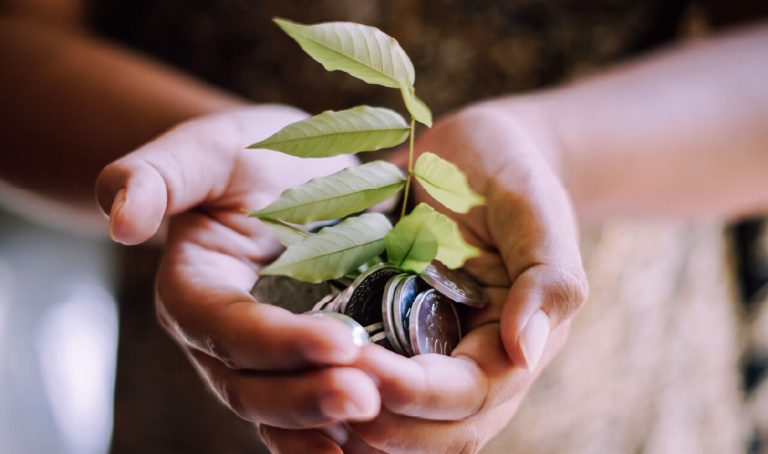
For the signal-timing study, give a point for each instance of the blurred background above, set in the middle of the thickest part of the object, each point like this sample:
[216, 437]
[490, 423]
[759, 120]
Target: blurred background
[84, 367]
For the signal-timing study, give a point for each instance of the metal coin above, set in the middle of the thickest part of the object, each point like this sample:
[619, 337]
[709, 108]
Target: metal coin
[340, 303]
[375, 328]
[379, 338]
[364, 303]
[335, 303]
[433, 324]
[359, 336]
[388, 312]
[455, 284]
[288, 293]
[325, 303]
[405, 294]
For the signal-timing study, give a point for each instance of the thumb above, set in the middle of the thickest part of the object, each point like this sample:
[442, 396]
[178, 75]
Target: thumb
[537, 236]
[164, 177]
[187, 166]
[540, 299]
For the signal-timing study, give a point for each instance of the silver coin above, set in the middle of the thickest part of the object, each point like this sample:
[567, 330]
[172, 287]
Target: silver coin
[288, 293]
[364, 295]
[405, 294]
[389, 314]
[455, 284]
[335, 303]
[379, 338]
[376, 327]
[324, 304]
[341, 301]
[359, 336]
[433, 324]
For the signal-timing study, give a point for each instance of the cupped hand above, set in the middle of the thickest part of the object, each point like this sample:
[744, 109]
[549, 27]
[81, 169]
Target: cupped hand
[532, 272]
[268, 365]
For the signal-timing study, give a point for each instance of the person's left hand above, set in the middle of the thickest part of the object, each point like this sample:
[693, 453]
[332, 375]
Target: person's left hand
[531, 269]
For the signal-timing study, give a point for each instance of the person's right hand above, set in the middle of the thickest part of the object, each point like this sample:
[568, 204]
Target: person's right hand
[531, 270]
[268, 365]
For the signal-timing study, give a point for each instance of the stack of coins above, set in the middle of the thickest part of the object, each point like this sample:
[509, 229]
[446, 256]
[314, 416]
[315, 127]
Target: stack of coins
[406, 313]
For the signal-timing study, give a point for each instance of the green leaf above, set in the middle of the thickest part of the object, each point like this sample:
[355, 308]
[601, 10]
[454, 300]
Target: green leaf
[452, 250]
[330, 133]
[287, 234]
[411, 245]
[359, 50]
[416, 106]
[425, 235]
[334, 196]
[446, 183]
[334, 251]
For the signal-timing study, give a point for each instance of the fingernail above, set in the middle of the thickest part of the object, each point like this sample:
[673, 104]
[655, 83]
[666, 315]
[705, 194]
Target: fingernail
[534, 339]
[337, 406]
[114, 214]
[336, 432]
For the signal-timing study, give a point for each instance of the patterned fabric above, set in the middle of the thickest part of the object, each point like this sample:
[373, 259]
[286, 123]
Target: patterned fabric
[751, 243]
[462, 50]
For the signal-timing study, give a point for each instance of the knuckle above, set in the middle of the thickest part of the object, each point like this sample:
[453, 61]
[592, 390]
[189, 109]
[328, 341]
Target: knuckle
[468, 443]
[468, 446]
[568, 292]
[231, 397]
[407, 399]
[374, 436]
[331, 380]
[264, 433]
[218, 349]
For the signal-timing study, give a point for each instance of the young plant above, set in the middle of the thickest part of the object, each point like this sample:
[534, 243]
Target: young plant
[418, 238]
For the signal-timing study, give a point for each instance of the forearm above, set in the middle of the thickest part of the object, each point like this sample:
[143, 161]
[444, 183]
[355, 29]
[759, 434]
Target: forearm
[680, 133]
[71, 104]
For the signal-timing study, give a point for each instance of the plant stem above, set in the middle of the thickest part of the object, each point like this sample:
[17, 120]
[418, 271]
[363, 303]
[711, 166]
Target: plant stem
[410, 169]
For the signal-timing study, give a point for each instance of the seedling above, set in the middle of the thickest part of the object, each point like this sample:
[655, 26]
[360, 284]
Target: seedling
[417, 238]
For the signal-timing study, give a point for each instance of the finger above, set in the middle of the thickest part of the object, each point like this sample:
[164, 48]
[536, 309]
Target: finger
[356, 445]
[541, 298]
[418, 386]
[506, 379]
[481, 376]
[204, 301]
[165, 176]
[542, 257]
[392, 433]
[295, 400]
[288, 441]
[185, 167]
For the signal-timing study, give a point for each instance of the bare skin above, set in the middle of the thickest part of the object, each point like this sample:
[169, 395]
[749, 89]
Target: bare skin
[679, 134]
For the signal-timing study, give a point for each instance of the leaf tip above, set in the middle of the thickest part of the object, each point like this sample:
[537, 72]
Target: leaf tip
[281, 21]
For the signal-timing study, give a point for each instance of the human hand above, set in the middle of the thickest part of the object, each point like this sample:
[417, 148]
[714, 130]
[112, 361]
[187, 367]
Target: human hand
[531, 268]
[268, 365]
